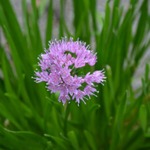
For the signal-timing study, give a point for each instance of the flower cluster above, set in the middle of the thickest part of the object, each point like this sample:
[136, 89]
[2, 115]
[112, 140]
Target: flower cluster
[57, 67]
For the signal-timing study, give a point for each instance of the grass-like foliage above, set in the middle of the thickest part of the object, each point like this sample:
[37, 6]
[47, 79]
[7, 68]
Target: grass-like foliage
[117, 119]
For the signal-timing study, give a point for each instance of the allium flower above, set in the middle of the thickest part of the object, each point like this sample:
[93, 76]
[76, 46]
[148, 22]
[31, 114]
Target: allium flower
[57, 69]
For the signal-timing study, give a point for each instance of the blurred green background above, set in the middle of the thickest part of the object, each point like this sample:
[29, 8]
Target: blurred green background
[118, 118]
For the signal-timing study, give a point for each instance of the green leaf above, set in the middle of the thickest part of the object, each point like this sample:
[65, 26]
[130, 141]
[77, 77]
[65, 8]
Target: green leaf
[49, 26]
[21, 140]
[143, 117]
[58, 141]
[118, 122]
[73, 139]
[90, 140]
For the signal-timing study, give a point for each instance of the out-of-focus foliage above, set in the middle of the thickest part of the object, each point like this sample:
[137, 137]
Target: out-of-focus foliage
[117, 119]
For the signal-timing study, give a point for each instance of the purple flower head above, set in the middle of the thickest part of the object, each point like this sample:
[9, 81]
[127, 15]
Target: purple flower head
[58, 65]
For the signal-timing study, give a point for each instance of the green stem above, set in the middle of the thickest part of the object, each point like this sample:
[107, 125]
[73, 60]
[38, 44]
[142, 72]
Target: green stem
[67, 110]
